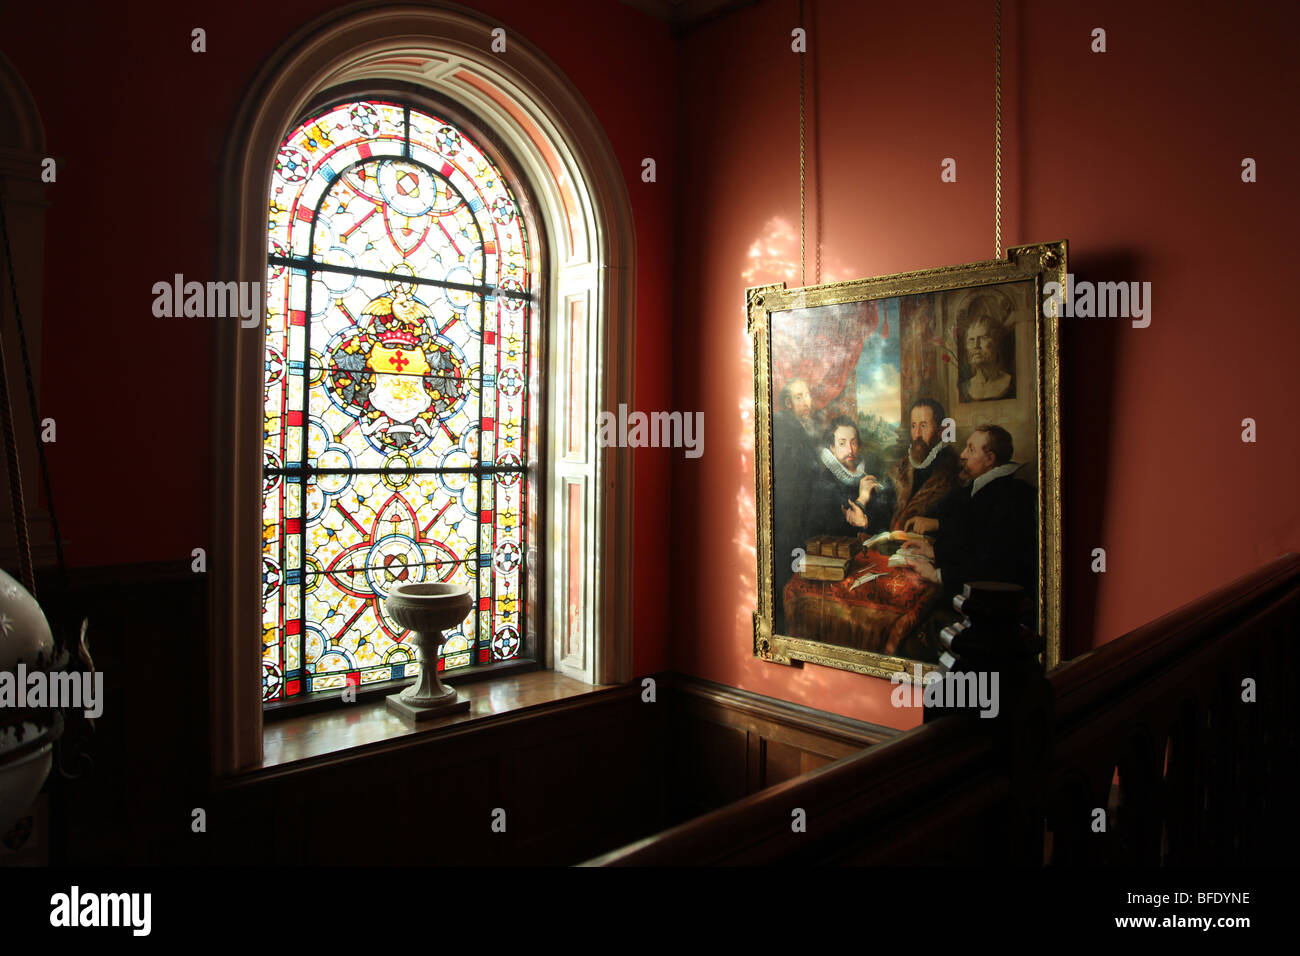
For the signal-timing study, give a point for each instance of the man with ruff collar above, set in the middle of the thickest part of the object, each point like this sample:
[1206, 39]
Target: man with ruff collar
[985, 530]
[928, 471]
[840, 496]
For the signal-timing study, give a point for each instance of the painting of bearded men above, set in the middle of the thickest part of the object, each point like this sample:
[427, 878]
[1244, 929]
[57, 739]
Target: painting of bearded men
[872, 406]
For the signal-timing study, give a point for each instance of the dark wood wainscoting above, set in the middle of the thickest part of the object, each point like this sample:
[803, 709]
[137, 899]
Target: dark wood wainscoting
[1194, 714]
[576, 777]
[142, 768]
[728, 743]
[556, 781]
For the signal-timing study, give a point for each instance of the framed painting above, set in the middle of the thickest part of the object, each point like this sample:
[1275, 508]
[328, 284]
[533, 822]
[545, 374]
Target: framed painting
[908, 443]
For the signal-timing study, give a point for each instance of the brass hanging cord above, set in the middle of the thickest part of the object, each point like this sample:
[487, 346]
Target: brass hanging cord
[803, 203]
[997, 130]
[16, 502]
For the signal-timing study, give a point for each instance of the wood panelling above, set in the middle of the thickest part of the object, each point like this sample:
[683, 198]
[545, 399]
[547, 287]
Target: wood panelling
[728, 743]
[1024, 788]
[568, 785]
[368, 723]
[575, 776]
[145, 770]
[558, 780]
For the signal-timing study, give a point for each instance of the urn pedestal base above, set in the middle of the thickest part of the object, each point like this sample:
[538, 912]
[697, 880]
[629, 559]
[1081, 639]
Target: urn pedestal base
[415, 713]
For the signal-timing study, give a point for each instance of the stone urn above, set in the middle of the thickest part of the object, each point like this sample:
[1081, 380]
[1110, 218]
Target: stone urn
[429, 610]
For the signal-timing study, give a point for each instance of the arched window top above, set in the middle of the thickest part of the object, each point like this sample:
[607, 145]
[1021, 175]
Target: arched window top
[417, 167]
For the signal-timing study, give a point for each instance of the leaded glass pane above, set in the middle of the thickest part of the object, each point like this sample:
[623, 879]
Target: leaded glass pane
[396, 419]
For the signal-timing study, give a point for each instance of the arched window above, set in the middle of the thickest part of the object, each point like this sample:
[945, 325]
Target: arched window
[575, 539]
[399, 421]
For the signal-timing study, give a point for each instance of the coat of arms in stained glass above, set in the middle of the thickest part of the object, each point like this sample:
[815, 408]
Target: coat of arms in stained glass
[398, 351]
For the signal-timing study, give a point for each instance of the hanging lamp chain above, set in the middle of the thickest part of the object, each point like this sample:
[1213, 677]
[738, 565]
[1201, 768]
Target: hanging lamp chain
[71, 756]
[11, 444]
[16, 503]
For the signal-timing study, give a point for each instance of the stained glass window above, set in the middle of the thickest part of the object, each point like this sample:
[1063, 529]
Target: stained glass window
[397, 408]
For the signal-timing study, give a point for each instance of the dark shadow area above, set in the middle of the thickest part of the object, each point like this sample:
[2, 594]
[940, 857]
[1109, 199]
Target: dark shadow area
[1089, 350]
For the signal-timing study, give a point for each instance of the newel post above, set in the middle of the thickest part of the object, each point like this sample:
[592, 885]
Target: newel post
[991, 651]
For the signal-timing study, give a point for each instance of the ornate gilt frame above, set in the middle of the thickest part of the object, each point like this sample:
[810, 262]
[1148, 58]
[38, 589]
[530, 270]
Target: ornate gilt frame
[1041, 262]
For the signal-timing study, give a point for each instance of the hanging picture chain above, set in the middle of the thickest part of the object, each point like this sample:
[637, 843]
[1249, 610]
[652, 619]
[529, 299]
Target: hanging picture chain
[803, 202]
[997, 146]
[997, 129]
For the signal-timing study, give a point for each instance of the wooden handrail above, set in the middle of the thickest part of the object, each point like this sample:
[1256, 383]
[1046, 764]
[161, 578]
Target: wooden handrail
[1125, 662]
[1159, 703]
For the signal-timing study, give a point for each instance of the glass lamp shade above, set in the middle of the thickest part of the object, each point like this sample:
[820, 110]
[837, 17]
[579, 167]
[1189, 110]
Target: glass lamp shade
[26, 747]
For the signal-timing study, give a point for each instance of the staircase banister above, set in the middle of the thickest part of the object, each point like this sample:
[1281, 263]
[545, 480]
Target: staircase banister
[1128, 662]
[883, 783]
[909, 793]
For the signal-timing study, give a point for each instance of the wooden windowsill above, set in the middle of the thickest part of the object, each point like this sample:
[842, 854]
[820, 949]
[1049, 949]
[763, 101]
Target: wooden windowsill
[363, 725]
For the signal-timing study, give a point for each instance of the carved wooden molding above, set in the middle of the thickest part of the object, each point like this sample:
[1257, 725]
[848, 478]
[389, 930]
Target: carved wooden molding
[796, 718]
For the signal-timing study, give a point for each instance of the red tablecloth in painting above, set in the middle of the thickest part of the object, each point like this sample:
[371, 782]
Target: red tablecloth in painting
[874, 616]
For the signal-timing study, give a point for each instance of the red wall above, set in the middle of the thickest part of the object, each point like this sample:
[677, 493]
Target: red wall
[138, 122]
[1132, 155]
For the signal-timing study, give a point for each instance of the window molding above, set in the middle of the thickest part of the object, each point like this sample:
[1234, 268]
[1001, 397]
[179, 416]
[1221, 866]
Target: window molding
[571, 170]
